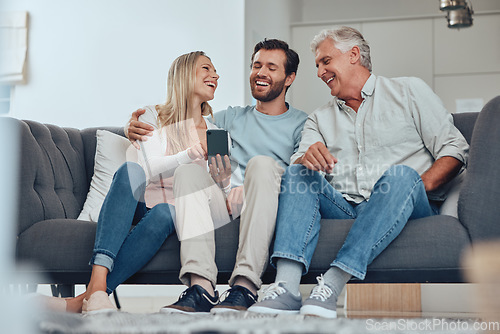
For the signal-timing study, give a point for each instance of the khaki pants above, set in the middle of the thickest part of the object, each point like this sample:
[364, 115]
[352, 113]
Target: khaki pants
[200, 208]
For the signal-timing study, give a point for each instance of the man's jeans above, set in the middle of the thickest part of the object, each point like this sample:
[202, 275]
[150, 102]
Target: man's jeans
[121, 250]
[307, 197]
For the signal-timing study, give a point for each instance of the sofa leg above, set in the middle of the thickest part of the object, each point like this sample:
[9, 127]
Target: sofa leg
[117, 302]
[63, 290]
[383, 298]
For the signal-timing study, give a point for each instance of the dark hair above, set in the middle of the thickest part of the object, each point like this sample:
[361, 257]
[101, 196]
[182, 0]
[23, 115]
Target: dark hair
[292, 58]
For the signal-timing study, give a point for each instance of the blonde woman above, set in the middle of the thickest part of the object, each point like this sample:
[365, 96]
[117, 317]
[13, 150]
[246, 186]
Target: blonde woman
[143, 192]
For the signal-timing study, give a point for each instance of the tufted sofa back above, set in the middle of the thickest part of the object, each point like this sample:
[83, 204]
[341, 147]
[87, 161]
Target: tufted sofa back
[56, 167]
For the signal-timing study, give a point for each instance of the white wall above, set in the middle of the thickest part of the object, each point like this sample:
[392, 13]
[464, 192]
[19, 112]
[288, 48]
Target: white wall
[467, 62]
[336, 10]
[267, 19]
[93, 62]
[406, 41]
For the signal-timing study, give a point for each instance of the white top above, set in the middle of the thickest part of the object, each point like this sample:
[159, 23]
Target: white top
[159, 166]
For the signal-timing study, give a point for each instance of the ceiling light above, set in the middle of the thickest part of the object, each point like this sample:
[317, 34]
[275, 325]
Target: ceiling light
[452, 4]
[459, 18]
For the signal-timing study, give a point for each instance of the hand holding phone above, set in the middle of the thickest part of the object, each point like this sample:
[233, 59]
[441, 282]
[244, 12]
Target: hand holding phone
[220, 170]
[218, 156]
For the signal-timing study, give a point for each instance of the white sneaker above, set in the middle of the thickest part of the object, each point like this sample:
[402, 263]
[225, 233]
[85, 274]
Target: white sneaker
[97, 303]
[277, 299]
[322, 302]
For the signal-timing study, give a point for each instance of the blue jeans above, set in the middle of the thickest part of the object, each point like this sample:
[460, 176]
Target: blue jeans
[122, 250]
[307, 197]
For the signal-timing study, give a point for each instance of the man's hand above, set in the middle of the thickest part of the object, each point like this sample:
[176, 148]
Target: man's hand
[135, 130]
[235, 201]
[442, 171]
[318, 158]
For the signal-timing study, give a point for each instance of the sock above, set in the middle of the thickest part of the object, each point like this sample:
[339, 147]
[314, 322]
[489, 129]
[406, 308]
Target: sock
[290, 272]
[336, 278]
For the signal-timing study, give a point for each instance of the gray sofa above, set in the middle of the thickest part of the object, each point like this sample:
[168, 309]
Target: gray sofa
[57, 166]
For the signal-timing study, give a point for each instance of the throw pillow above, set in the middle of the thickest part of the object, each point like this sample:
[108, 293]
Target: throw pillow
[450, 205]
[112, 151]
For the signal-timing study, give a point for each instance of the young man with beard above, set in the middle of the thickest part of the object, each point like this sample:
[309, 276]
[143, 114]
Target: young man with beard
[264, 137]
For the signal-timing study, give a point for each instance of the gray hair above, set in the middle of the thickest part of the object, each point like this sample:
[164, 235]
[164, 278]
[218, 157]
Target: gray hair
[345, 38]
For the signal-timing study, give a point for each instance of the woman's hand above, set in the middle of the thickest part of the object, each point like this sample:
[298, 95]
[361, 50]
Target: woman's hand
[196, 152]
[220, 171]
[135, 130]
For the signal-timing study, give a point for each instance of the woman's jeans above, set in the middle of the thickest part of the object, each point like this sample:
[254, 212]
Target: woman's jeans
[306, 197]
[122, 250]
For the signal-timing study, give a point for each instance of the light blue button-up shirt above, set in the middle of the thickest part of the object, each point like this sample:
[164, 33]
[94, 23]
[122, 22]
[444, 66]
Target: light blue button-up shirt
[400, 121]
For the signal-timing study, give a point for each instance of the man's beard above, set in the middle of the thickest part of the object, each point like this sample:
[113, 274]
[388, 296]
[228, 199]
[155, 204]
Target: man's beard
[275, 91]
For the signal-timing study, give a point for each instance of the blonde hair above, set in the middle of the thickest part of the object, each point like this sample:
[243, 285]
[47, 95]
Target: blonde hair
[173, 115]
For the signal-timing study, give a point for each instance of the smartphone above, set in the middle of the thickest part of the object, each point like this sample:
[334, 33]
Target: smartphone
[217, 143]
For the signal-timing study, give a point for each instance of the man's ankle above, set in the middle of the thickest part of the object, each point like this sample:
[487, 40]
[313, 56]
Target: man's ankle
[246, 283]
[203, 282]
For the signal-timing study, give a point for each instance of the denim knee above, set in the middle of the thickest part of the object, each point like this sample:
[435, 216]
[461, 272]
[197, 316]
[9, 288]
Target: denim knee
[401, 172]
[397, 177]
[298, 179]
[161, 222]
[131, 174]
[296, 172]
[296, 169]
[132, 170]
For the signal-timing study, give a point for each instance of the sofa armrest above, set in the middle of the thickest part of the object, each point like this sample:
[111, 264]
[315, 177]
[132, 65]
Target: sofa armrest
[478, 207]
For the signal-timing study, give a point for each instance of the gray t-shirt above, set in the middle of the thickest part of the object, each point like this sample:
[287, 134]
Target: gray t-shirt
[254, 133]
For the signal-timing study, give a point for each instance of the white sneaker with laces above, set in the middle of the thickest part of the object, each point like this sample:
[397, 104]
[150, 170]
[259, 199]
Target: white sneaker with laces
[322, 302]
[277, 299]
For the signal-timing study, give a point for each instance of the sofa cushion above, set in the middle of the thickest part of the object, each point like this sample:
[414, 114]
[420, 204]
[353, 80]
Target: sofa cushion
[465, 123]
[423, 244]
[58, 244]
[450, 204]
[66, 245]
[53, 247]
[90, 144]
[111, 153]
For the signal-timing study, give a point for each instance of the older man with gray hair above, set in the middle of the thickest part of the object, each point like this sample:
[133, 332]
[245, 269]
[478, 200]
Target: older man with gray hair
[380, 152]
